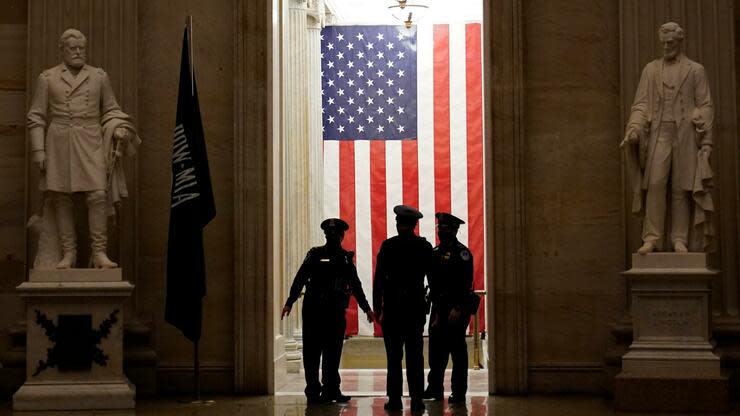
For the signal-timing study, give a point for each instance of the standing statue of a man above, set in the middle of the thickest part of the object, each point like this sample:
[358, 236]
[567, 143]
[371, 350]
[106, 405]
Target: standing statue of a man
[669, 140]
[77, 133]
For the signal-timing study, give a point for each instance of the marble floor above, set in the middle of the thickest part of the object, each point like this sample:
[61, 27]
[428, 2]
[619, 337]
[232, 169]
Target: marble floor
[372, 383]
[365, 406]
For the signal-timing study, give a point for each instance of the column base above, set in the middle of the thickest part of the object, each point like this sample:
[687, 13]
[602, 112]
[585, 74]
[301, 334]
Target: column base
[658, 394]
[75, 396]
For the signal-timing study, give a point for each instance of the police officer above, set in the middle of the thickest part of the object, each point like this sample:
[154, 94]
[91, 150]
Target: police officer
[330, 276]
[450, 285]
[399, 299]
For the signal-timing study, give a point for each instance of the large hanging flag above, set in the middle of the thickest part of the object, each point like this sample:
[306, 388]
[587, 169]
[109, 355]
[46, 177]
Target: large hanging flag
[403, 124]
[191, 208]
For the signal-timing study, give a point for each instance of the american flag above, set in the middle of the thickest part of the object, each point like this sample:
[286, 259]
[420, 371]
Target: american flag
[402, 124]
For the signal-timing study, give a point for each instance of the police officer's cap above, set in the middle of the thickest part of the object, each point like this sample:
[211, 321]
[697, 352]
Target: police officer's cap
[334, 224]
[405, 211]
[448, 219]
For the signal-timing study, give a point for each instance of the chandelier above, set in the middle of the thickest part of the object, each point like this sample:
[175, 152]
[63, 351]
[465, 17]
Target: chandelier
[409, 11]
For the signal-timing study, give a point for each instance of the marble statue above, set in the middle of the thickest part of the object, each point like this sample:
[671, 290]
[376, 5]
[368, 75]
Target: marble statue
[78, 134]
[668, 140]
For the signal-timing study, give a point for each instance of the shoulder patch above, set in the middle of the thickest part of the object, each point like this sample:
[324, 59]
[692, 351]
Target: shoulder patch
[465, 255]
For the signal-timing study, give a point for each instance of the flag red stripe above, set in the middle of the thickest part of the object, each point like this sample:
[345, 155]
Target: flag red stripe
[410, 172]
[476, 214]
[347, 213]
[378, 212]
[441, 77]
[410, 156]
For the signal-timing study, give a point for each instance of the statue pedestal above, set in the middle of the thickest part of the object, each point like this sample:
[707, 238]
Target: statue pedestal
[74, 349]
[671, 364]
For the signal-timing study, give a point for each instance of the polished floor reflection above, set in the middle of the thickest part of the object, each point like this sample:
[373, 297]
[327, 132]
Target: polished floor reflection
[372, 383]
[364, 406]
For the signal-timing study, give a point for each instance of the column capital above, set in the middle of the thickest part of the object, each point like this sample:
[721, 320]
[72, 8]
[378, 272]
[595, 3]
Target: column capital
[316, 14]
[297, 4]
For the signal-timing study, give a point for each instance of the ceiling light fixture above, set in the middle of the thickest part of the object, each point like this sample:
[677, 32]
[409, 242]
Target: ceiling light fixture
[409, 11]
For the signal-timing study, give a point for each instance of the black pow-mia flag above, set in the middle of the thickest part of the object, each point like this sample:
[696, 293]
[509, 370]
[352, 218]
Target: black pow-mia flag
[191, 208]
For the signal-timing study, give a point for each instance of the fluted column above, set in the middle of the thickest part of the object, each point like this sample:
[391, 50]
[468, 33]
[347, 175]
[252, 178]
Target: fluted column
[505, 185]
[316, 15]
[296, 173]
[256, 91]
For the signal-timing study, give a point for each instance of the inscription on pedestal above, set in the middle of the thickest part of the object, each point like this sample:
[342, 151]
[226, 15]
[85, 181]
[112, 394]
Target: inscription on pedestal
[678, 317]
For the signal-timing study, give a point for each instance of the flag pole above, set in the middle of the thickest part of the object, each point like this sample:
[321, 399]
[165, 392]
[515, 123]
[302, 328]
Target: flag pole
[196, 359]
[196, 370]
[189, 24]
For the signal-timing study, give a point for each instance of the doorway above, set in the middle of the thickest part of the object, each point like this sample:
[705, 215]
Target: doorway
[440, 167]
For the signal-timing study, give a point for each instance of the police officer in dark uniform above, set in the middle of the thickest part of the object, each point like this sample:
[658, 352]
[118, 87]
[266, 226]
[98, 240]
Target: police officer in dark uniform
[330, 276]
[399, 300]
[450, 287]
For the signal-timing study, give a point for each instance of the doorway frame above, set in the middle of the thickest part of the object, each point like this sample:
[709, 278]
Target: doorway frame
[258, 186]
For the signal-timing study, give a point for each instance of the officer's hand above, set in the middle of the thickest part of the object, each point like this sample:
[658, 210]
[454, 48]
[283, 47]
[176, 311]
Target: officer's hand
[370, 316]
[286, 312]
[435, 319]
[39, 158]
[454, 315]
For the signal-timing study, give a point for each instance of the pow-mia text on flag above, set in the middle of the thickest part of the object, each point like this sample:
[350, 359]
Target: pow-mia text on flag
[185, 180]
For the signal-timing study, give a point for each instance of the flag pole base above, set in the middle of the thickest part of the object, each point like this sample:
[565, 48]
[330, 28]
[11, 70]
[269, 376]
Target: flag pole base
[198, 402]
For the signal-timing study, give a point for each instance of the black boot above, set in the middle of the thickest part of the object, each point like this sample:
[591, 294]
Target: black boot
[429, 394]
[393, 404]
[417, 405]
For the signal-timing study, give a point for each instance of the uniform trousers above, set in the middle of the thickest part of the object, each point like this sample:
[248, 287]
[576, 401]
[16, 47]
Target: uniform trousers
[445, 339]
[396, 336]
[662, 163]
[323, 339]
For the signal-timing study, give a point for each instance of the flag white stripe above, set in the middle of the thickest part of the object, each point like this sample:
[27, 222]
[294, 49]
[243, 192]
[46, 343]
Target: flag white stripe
[425, 128]
[393, 182]
[363, 227]
[458, 129]
[331, 179]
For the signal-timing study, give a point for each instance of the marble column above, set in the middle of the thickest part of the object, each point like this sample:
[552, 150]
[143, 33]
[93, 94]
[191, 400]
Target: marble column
[312, 75]
[316, 17]
[296, 161]
[505, 190]
[256, 123]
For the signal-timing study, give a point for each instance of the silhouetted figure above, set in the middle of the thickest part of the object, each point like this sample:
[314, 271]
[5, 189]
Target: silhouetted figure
[399, 300]
[450, 284]
[330, 276]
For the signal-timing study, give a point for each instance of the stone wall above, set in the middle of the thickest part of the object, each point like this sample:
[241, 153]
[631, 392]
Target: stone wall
[573, 189]
[13, 38]
[161, 25]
